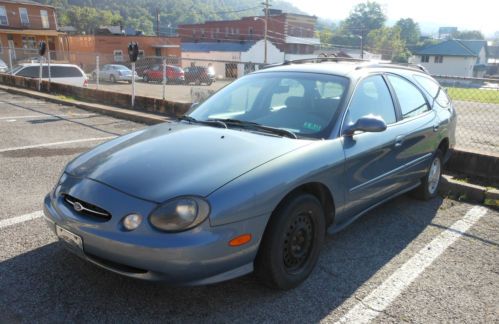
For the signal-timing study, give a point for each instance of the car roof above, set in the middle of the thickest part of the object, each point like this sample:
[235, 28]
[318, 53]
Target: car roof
[51, 64]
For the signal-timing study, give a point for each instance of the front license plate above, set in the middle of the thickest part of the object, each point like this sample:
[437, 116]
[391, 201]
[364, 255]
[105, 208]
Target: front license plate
[73, 240]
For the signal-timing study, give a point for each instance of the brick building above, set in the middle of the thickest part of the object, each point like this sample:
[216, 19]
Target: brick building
[291, 33]
[23, 24]
[113, 48]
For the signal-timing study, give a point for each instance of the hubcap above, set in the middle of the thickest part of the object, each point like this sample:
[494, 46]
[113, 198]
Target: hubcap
[434, 175]
[298, 242]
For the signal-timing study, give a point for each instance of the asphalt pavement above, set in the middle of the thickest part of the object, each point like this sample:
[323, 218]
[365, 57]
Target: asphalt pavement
[406, 261]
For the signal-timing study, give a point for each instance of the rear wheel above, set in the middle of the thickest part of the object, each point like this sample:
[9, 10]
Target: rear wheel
[431, 181]
[291, 244]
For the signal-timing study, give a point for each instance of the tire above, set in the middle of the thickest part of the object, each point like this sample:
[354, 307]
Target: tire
[145, 78]
[112, 79]
[197, 82]
[291, 243]
[430, 183]
[94, 76]
[209, 83]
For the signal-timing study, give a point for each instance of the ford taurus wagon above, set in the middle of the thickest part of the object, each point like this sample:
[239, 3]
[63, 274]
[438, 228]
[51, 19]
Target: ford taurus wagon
[252, 179]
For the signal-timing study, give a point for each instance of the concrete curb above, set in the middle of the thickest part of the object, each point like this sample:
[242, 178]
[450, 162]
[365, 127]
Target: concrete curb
[121, 113]
[467, 191]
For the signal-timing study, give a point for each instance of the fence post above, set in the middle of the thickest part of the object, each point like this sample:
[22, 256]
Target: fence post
[48, 67]
[133, 84]
[164, 78]
[40, 74]
[97, 71]
[10, 59]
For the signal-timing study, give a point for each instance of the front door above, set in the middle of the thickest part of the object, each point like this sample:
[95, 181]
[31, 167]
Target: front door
[370, 158]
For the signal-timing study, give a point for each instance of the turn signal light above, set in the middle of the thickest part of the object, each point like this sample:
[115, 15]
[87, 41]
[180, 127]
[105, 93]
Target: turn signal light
[240, 240]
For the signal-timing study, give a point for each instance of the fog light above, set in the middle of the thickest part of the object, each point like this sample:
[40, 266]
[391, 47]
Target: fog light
[132, 221]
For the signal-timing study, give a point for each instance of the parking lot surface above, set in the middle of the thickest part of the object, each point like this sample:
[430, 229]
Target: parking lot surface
[406, 261]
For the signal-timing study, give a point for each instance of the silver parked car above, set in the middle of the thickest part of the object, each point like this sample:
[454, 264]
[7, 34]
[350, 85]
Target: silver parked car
[251, 179]
[3, 67]
[114, 73]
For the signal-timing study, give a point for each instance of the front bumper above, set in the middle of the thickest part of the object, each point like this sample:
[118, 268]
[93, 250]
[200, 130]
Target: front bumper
[198, 256]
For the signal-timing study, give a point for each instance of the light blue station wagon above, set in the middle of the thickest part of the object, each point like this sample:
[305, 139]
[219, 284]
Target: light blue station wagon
[254, 177]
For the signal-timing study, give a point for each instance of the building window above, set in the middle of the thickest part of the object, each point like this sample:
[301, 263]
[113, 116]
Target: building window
[3, 16]
[439, 59]
[1, 46]
[250, 32]
[29, 42]
[226, 31]
[45, 19]
[23, 14]
[118, 55]
[425, 58]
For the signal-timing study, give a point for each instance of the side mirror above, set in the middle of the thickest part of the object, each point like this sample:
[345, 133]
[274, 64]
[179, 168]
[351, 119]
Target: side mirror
[370, 124]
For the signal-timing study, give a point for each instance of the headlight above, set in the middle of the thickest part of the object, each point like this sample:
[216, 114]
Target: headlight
[180, 214]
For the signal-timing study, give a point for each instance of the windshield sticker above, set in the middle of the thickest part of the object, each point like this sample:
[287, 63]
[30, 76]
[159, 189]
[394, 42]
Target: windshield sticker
[312, 126]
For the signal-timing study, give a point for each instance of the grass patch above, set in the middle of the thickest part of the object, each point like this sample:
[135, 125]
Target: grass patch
[63, 97]
[475, 95]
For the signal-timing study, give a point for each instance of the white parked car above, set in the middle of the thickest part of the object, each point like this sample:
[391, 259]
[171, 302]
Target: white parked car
[3, 67]
[59, 73]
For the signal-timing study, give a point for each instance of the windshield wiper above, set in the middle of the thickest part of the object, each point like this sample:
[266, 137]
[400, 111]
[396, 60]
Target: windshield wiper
[256, 126]
[211, 122]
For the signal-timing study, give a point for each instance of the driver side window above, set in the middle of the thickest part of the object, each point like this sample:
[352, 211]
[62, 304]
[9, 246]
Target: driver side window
[371, 97]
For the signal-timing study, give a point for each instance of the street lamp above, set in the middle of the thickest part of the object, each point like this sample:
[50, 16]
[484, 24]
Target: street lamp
[264, 37]
[361, 46]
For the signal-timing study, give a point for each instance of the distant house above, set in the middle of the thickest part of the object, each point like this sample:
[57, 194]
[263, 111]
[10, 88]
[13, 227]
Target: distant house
[464, 58]
[230, 59]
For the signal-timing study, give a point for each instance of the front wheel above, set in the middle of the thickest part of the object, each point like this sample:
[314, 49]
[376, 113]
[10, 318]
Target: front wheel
[428, 188]
[291, 243]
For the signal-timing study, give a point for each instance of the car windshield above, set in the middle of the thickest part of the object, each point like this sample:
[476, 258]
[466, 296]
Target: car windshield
[305, 104]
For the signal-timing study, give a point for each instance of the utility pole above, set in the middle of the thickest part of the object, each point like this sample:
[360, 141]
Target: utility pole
[362, 44]
[266, 29]
[157, 22]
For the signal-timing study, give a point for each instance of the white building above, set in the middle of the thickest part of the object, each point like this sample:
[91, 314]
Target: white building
[230, 59]
[463, 58]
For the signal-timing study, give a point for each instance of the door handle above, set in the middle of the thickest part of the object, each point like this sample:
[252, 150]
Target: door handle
[399, 140]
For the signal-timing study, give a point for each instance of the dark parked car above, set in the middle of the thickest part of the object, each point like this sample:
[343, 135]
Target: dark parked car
[251, 179]
[199, 75]
[174, 74]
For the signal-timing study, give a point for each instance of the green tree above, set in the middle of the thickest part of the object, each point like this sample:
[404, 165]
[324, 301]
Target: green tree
[364, 18]
[388, 42]
[88, 19]
[409, 31]
[468, 34]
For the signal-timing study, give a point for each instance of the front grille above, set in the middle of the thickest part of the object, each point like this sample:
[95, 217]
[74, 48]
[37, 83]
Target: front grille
[87, 209]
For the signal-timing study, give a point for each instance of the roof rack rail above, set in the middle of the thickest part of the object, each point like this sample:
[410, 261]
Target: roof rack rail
[318, 59]
[405, 66]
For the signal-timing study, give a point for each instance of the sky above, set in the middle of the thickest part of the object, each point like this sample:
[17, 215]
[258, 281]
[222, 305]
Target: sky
[480, 15]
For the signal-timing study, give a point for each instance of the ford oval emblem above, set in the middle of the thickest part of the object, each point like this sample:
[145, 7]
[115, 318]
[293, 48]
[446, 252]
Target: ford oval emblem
[77, 207]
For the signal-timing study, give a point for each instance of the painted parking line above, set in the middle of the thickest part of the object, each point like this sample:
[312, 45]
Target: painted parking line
[48, 116]
[56, 143]
[20, 219]
[380, 298]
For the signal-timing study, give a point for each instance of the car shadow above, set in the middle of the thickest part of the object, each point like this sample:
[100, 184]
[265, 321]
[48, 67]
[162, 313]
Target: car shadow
[50, 284]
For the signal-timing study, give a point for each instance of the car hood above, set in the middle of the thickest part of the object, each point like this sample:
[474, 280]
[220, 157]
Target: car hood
[175, 159]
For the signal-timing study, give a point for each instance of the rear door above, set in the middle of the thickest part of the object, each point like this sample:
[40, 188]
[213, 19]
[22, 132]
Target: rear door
[371, 158]
[418, 128]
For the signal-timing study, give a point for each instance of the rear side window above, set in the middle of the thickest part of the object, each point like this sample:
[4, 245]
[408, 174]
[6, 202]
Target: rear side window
[64, 72]
[411, 100]
[434, 90]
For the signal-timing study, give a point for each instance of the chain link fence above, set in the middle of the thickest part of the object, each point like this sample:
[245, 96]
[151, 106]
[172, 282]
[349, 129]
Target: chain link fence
[194, 79]
[477, 104]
